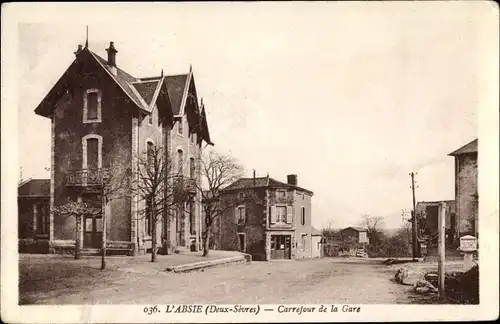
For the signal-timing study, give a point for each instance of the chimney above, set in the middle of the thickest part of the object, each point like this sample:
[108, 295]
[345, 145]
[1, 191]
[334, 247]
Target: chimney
[79, 50]
[292, 179]
[112, 57]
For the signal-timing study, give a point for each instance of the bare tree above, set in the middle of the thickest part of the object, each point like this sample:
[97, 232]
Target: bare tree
[217, 171]
[160, 188]
[373, 226]
[77, 210]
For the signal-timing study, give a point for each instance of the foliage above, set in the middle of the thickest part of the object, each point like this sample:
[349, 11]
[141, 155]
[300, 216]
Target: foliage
[397, 245]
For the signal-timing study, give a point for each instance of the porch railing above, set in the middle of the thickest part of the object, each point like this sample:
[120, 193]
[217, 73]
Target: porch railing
[87, 177]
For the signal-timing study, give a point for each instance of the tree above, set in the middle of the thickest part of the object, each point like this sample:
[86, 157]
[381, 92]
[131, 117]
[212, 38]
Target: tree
[160, 188]
[328, 230]
[373, 226]
[77, 210]
[218, 171]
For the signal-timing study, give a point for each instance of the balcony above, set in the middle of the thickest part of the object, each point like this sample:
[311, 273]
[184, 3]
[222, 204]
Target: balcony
[184, 185]
[87, 178]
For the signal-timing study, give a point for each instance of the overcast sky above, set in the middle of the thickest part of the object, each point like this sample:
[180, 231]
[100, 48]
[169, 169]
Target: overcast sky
[350, 97]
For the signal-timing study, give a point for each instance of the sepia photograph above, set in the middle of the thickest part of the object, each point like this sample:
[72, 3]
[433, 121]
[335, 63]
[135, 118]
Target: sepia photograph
[250, 162]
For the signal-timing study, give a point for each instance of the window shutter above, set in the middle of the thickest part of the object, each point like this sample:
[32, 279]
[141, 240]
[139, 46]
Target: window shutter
[244, 214]
[273, 214]
[288, 214]
[236, 215]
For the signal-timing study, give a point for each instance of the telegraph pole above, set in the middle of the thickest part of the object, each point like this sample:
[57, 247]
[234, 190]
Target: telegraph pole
[414, 229]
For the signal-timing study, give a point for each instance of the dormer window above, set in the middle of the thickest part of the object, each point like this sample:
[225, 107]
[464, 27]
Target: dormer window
[92, 106]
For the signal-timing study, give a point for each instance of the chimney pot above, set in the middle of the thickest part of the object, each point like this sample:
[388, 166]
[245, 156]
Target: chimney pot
[79, 50]
[111, 54]
[292, 179]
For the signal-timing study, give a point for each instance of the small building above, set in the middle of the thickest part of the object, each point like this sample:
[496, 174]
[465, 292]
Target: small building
[275, 224]
[466, 194]
[358, 235]
[33, 203]
[428, 213]
[317, 243]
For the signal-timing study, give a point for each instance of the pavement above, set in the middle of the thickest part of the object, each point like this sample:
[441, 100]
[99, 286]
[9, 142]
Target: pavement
[327, 280]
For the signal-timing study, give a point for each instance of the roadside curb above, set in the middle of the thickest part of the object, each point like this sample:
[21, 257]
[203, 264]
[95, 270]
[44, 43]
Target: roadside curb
[206, 264]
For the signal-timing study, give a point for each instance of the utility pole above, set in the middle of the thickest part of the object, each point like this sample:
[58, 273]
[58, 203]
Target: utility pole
[414, 229]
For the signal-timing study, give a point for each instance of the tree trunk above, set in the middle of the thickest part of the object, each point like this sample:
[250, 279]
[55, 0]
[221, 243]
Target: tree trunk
[206, 240]
[103, 243]
[153, 231]
[78, 233]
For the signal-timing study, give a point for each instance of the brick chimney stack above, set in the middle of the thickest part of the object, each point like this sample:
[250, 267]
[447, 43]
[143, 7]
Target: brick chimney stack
[292, 179]
[79, 50]
[112, 57]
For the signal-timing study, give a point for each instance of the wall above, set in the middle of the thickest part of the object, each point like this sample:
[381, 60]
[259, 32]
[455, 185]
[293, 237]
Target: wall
[226, 238]
[69, 129]
[190, 149]
[302, 199]
[316, 248]
[466, 188]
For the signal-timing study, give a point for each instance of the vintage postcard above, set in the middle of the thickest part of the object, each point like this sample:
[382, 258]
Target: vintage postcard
[250, 162]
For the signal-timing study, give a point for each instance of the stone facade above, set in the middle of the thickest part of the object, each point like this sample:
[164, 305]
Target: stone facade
[277, 220]
[466, 193]
[131, 112]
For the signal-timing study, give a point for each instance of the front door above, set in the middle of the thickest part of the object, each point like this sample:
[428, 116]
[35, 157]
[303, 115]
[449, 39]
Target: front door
[92, 235]
[92, 225]
[281, 246]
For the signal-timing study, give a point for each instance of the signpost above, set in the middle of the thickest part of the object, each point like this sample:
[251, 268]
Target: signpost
[468, 245]
[441, 249]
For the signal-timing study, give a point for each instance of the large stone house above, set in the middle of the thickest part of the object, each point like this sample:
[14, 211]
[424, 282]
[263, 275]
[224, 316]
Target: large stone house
[276, 224]
[102, 120]
[466, 194]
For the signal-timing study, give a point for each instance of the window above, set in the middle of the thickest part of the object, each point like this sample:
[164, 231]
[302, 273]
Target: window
[280, 214]
[149, 216]
[150, 153]
[240, 215]
[92, 153]
[180, 127]
[192, 222]
[241, 195]
[303, 216]
[150, 118]
[281, 193]
[42, 218]
[180, 161]
[92, 106]
[192, 168]
[192, 138]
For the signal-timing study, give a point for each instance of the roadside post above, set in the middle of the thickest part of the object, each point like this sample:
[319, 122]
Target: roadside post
[468, 245]
[441, 249]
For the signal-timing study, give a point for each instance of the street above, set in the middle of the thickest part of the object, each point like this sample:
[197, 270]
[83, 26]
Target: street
[327, 280]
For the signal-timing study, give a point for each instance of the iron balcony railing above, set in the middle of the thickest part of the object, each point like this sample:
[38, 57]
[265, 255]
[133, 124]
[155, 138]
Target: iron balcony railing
[87, 177]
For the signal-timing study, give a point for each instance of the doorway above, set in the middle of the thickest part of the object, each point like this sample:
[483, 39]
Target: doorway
[281, 246]
[92, 224]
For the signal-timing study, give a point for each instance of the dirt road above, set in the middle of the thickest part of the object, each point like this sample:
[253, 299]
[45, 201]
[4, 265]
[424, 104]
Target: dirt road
[316, 281]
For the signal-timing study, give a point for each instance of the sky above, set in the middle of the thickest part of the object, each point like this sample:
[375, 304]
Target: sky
[351, 97]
